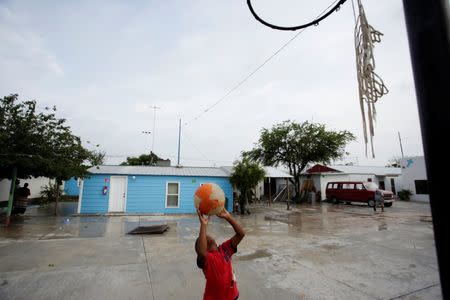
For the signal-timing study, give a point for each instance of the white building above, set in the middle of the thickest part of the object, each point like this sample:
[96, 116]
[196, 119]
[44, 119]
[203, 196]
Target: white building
[415, 177]
[273, 183]
[34, 184]
[387, 178]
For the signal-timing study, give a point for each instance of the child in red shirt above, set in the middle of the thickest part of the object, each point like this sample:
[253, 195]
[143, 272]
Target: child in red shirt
[215, 261]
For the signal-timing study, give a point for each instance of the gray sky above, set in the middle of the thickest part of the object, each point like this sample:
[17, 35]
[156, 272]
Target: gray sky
[104, 63]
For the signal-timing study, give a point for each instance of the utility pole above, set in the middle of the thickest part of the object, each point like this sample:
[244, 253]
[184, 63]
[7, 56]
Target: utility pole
[179, 142]
[401, 146]
[147, 133]
[154, 126]
[429, 44]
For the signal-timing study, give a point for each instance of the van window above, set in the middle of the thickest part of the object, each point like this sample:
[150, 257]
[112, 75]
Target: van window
[339, 186]
[348, 186]
[335, 185]
[359, 186]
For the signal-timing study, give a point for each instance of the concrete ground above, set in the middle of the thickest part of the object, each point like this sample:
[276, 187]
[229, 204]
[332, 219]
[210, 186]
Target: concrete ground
[321, 251]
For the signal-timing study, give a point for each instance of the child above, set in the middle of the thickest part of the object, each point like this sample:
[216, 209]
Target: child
[215, 261]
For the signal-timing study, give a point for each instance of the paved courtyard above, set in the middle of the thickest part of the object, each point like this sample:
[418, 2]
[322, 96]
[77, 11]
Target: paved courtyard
[321, 251]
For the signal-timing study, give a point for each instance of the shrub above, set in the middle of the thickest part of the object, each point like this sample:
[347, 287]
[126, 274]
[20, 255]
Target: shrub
[48, 193]
[405, 195]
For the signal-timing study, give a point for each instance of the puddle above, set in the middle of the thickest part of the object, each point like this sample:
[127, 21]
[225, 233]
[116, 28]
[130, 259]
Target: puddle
[382, 227]
[254, 255]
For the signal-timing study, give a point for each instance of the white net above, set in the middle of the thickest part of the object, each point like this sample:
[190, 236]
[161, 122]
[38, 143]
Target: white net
[371, 86]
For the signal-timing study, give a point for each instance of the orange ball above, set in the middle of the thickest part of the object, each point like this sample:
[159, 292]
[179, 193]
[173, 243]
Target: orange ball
[209, 198]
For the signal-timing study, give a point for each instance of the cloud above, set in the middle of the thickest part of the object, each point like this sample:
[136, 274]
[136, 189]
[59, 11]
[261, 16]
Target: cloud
[104, 63]
[23, 52]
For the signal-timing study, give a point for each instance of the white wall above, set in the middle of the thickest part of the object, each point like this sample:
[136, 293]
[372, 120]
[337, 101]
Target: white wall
[324, 179]
[259, 190]
[362, 177]
[397, 182]
[321, 181]
[413, 168]
[34, 184]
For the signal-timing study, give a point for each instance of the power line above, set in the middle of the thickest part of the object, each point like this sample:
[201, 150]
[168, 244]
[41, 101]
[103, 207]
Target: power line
[195, 147]
[315, 22]
[246, 78]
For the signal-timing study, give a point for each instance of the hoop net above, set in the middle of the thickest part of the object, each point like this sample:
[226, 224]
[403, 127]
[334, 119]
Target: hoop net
[371, 87]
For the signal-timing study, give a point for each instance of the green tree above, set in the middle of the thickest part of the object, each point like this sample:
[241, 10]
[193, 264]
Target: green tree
[394, 162]
[295, 145]
[142, 160]
[245, 177]
[39, 144]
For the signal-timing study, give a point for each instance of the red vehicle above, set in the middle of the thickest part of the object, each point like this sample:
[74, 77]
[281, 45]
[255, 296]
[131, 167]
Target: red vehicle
[356, 191]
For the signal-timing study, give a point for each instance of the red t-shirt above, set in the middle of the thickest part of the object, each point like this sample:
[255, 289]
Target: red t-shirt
[220, 280]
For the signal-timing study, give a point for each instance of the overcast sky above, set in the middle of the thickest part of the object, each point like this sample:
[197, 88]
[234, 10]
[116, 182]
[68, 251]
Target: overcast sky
[104, 63]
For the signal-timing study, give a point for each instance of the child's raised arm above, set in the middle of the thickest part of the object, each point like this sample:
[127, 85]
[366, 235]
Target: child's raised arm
[202, 244]
[240, 233]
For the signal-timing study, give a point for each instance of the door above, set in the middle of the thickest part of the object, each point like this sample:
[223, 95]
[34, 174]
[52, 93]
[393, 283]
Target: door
[117, 193]
[393, 186]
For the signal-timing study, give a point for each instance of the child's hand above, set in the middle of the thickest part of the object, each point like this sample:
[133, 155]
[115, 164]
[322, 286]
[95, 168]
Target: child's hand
[224, 214]
[203, 219]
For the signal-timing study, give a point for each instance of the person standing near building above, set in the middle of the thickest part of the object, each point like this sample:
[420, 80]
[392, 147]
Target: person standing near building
[379, 200]
[21, 203]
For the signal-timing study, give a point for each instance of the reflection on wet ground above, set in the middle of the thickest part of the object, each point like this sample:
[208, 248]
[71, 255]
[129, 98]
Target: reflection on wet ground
[320, 251]
[324, 219]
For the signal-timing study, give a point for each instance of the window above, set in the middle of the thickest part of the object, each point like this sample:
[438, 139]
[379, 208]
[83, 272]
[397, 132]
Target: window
[348, 186]
[421, 187]
[335, 185]
[359, 186]
[339, 186]
[172, 194]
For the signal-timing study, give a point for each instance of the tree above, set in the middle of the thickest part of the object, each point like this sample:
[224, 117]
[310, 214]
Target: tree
[36, 144]
[295, 145]
[245, 177]
[394, 162]
[142, 160]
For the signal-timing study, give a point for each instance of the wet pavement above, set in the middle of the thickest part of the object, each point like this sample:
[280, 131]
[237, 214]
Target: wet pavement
[321, 251]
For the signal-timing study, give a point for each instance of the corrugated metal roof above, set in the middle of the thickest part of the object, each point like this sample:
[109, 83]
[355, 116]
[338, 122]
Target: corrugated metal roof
[376, 170]
[159, 171]
[373, 170]
[270, 172]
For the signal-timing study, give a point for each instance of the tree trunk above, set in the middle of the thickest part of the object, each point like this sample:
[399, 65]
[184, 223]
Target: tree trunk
[56, 196]
[243, 202]
[297, 188]
[288, 200]
[11, 197]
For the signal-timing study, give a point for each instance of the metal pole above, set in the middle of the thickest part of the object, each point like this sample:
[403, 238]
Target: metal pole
[148, 133]
[179, 142]
[288, 199]
[401, 146]
[11, 196]
[154, 126]
[270, 193]
[428, 32]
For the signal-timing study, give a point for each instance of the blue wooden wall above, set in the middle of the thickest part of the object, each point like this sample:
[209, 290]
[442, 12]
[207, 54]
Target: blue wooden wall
[147, 194]
[71, 187]
[93, 200]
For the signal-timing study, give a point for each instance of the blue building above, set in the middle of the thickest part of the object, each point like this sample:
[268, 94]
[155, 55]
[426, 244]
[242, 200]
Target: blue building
[146, 189]
[72, 187]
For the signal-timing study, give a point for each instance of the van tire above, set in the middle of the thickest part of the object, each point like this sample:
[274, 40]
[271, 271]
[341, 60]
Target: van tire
[348, 202]
[371, 202]
[334, 200]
